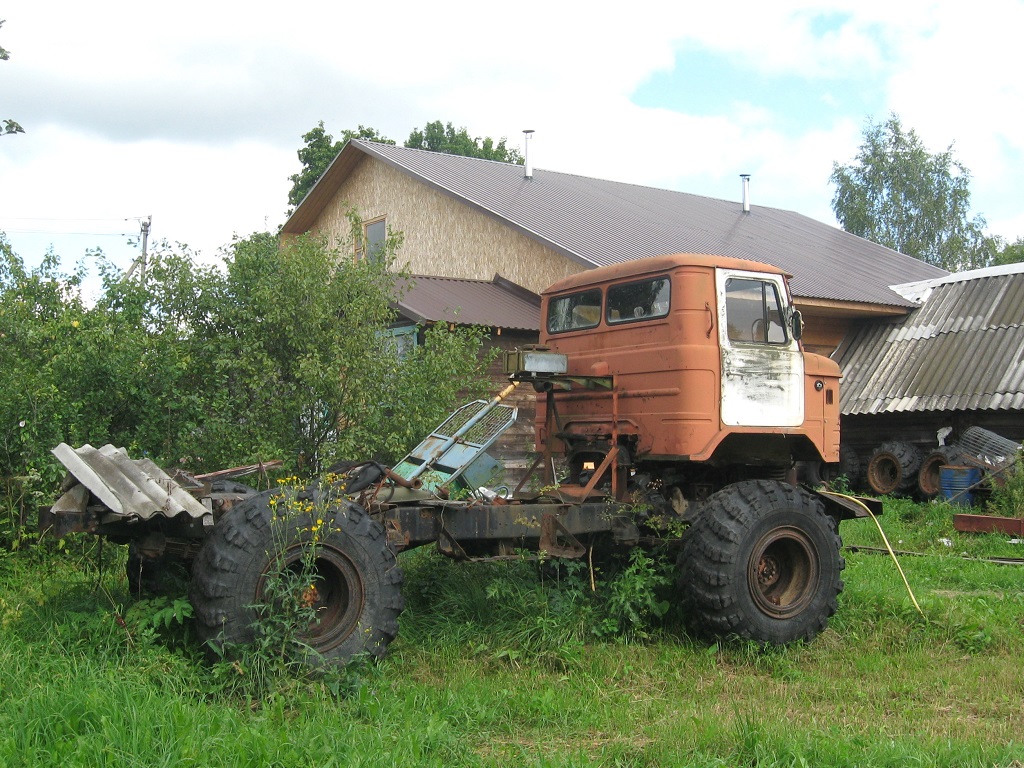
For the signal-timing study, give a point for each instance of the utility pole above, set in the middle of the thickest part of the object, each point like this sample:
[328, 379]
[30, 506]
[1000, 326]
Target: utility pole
[141, 261]
[145, 224]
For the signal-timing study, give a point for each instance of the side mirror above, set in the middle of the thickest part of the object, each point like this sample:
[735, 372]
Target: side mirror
[796, 320]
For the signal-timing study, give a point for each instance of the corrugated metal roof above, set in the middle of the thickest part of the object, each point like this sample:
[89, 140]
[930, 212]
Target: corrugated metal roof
[128, 488]
[962, 350]
[493, 303]
[598, 222]
[920, 290]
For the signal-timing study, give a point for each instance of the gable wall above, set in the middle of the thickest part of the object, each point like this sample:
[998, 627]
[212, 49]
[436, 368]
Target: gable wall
[443, 237]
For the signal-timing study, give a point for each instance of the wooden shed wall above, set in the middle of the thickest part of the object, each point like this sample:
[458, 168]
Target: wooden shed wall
[822, 332]
[865, 432]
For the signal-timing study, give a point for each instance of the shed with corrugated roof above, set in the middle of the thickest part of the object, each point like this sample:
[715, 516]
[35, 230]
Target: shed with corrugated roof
[955, 361]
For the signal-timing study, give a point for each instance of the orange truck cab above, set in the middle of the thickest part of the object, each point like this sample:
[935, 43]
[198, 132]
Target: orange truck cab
[691, 365]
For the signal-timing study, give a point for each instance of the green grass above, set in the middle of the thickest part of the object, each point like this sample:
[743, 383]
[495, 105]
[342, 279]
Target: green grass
[509, 665]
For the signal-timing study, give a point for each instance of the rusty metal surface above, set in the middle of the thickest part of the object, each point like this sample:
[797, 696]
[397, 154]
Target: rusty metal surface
[596, 222]
[247, 469]
[668, 375]
[458, 524]
[962, 350]
[61, 523]
[989, 524]
[847, 507]
[131, 489]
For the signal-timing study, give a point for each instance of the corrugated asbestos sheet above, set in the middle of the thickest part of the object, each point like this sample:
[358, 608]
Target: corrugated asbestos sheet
[598, 222]
[128, 488]
[493, 303]
[962, 350]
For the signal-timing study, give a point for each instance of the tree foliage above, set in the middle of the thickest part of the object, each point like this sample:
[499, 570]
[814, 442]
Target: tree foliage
[898, 194]
[8, 126]
[318, 151]
[318, 365]
[438, 137]
[1010, 253]
[280, 352]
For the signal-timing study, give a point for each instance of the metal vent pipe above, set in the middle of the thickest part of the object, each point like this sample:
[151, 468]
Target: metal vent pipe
[528, 171]
[746, 192]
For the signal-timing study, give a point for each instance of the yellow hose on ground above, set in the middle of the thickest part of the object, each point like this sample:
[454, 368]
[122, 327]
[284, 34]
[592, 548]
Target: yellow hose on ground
[887, 546]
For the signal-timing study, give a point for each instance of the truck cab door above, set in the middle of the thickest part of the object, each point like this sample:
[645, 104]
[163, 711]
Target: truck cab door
[762, 365]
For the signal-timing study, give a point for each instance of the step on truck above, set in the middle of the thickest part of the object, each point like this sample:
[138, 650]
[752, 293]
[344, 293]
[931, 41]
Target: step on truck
[674, 401]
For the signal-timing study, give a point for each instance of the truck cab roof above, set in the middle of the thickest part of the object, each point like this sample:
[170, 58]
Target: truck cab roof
[653, 264]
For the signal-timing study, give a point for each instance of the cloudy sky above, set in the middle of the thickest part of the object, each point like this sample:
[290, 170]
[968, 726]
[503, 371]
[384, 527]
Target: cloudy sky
[192, 112]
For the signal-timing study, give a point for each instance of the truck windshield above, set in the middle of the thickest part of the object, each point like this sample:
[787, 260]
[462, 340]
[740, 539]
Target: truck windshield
[575, 311]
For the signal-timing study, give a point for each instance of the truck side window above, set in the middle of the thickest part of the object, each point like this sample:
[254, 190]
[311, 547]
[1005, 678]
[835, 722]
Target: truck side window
[575, 311]
[641, 300]
[754, 311]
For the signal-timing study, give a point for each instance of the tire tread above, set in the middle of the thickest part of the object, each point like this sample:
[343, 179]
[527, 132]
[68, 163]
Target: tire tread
[713, 576]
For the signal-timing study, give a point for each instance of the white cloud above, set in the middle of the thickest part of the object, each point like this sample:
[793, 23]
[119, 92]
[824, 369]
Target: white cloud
[200, 195]
[193, 112]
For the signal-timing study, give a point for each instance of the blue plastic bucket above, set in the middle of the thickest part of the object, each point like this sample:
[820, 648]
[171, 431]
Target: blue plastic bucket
[955, 482]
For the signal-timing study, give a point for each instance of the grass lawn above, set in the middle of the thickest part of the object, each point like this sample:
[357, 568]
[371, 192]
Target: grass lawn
[496, 665]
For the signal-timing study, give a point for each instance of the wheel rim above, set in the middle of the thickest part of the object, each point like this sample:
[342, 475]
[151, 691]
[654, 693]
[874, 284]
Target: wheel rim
[929, 479]
[783, 572]
[885, 474]
[335, 593]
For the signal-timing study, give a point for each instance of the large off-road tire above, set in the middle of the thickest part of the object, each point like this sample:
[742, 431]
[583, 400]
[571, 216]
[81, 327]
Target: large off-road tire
[762, 562]
[929, 480]
[356, 588]
[849, 465]
[892, 469]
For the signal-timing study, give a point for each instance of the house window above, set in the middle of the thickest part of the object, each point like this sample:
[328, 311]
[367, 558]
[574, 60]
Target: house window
[375, 233]
[404, 340]
[754, 312]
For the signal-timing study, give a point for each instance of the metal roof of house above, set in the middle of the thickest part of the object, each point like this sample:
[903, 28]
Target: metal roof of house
[962, 350]
[597, 222]
[497, 303]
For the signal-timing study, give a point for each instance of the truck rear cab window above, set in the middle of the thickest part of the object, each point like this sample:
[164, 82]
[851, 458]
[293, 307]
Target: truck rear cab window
[753, 311]
[575, 311]
[642, 300]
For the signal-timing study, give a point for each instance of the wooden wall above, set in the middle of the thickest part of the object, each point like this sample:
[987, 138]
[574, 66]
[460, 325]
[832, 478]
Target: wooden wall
[822, 332]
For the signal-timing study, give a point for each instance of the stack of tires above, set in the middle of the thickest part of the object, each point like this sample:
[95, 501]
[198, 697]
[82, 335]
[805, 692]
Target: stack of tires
[899, 468]
[892, 468]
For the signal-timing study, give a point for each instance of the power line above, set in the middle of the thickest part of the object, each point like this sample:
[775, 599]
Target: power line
[66, 232]
[70, 218]
[65, 219]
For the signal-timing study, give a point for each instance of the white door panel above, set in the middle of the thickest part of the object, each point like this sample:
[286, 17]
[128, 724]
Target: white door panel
[762, 366]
